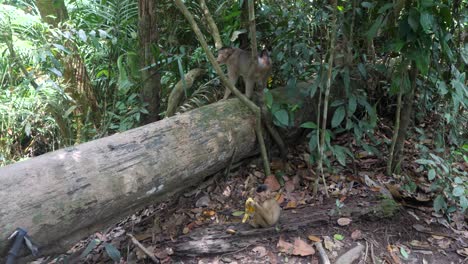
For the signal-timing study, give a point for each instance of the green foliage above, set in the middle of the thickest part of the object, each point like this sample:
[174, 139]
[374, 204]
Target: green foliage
[110, 249]
[448, 182]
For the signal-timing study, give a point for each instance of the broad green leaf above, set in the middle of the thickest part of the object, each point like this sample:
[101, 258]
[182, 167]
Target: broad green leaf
[56, 72]
[113, 252]
[439, 203]
[422, 61]
[82, 35]
[291, 84]
[426, 21]
[431, 174]
[460, 88]
[367, 5]
[464, 53]
[337, 103]
[60, 47]
[313, 141]
[338, 116]
[27, 129]
[238, 213]
[103, 34]
[385, 7]
[352, 105]
[313, 87]
[338, 237]
[442, 87]
[458, 180]
[123, 81]
[404, 253]
[463, 203]
[372, 33]
[413, 19]
[427, 3]
[458, 191]
[268, 97]
[346, 80]
[69, 111]
[340, 154]
[92, 244]
[425, 162]
[282, 117]
[362, 70]
[309, 125]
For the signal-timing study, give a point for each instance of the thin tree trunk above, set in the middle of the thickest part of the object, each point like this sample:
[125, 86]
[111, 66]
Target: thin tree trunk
[326, 98]
[151, 78]
[405, 119]
[211, 25]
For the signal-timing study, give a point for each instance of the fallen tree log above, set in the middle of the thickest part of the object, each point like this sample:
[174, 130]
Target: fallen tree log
[63, 196]
[214, 240]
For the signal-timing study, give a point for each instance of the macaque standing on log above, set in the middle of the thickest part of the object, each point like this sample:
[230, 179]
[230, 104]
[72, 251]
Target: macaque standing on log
[239, 63]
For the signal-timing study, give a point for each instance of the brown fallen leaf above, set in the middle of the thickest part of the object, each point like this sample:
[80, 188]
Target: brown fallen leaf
[209, 213]
[291, 205]
[284, 246]
[280, 198]
[463, 252]
[302, 249]
[393, 251]
[272, 183]
[343, 221]
[314, 238]
[160, 253]
[231, 231]
[357, 234]
[260, 251]
[289, 186]
[328, 243]
[420, 244]
[272, 257]
[277, 164]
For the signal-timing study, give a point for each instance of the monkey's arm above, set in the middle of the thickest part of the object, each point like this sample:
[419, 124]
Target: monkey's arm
[266, 213]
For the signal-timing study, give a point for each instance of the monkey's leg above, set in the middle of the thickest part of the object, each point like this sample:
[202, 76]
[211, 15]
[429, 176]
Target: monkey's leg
[227, 92]
[233, 79]
[249, 86]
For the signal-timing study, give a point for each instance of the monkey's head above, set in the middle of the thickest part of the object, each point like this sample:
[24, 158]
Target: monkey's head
[224, 54]
[262, 188]
[264, 59]
[263, 192]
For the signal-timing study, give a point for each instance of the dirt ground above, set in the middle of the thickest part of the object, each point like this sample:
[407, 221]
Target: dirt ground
[204, 225]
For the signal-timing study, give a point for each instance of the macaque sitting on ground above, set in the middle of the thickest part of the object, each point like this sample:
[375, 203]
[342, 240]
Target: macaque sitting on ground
[239, 63]
[264, 208]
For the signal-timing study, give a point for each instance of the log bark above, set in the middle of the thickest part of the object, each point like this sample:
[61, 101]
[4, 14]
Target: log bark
[214, 240]
[63, 196]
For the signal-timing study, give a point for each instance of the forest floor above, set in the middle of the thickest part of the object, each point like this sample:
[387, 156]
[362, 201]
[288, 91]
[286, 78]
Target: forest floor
[412, 233]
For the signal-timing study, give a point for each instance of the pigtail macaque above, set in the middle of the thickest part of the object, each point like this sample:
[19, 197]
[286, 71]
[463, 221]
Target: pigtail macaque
[239, 63]
[264, 208]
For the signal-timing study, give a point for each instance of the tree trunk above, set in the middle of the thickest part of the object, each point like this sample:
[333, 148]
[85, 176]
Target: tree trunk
[405, 120]
[63, 196]
[52, 11]
[151, 79]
